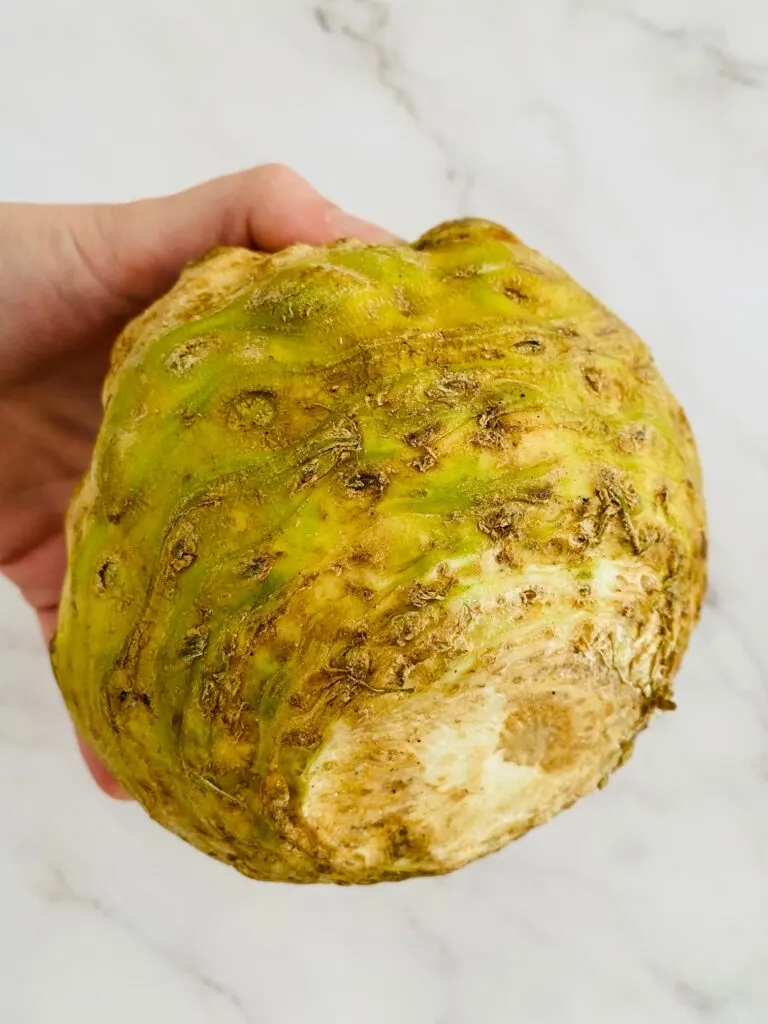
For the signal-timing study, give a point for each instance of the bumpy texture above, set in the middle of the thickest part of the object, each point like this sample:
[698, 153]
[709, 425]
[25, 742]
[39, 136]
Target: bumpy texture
[386, 554]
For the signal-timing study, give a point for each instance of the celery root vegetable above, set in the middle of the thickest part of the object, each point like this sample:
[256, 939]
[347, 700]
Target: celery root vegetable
[385, 556]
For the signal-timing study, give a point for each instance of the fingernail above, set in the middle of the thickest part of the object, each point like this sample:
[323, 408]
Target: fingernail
[344, 225]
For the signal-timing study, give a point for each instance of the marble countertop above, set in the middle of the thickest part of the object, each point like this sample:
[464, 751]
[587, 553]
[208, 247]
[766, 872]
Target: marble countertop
[628, 139]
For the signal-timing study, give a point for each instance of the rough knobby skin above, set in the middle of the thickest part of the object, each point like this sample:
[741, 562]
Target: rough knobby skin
[385, 556]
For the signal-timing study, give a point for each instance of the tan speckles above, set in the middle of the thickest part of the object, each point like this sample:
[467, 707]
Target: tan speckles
[583, 637]
[204, 286]
[404, 565]
[249, 410]
[506, 556]
[106, 575]
[540, 733]
[311, 294]
[306, 738]
[404, 842]
[618, 499]
[609, 386]
[424, 462]
[423, 439]
[633, 439]
[594, 379]
[451, 388]
[257, 566]
[529, 346]
[194, 643]
[514, 290]
[405, 628]
[321, 453]
[403, 302]
[370, 481]
[190, 352]
[494, 430]
[435, 588]
[183, 548]
[501, 522]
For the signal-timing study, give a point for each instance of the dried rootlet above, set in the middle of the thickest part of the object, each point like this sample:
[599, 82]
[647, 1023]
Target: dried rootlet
[385, 556]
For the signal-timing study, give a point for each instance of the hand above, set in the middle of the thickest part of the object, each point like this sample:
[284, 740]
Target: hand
[70, 278]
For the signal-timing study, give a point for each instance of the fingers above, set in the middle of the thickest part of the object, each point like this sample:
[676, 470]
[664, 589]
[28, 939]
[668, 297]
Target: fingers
[48, 618]
[147, 243]
[100, 774]
[39, 571]
[269, 208]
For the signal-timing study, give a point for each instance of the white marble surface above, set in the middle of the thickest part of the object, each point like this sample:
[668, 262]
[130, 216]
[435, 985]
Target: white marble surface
[629, 140]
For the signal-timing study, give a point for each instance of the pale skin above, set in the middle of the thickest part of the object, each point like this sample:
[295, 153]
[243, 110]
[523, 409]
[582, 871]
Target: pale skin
[70, 278]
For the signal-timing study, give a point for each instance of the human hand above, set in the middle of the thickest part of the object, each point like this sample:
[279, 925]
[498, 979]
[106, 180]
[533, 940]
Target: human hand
[70, 278]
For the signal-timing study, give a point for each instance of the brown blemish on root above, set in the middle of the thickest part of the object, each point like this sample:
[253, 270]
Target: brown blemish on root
[530, 346]
[106, 575]
[189, 353]
[194, 643]
[540, 733]
[452, 388]
[357, 365]
[501, 523]
[249, 410]
[371, 481]
[618, 500]
[633, 439]
[493, 428]
[423, 440]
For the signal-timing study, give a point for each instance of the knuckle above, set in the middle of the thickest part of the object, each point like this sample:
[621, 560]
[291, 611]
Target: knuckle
[277, 174]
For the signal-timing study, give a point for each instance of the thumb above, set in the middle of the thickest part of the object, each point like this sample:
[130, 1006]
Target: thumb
[141, 247]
